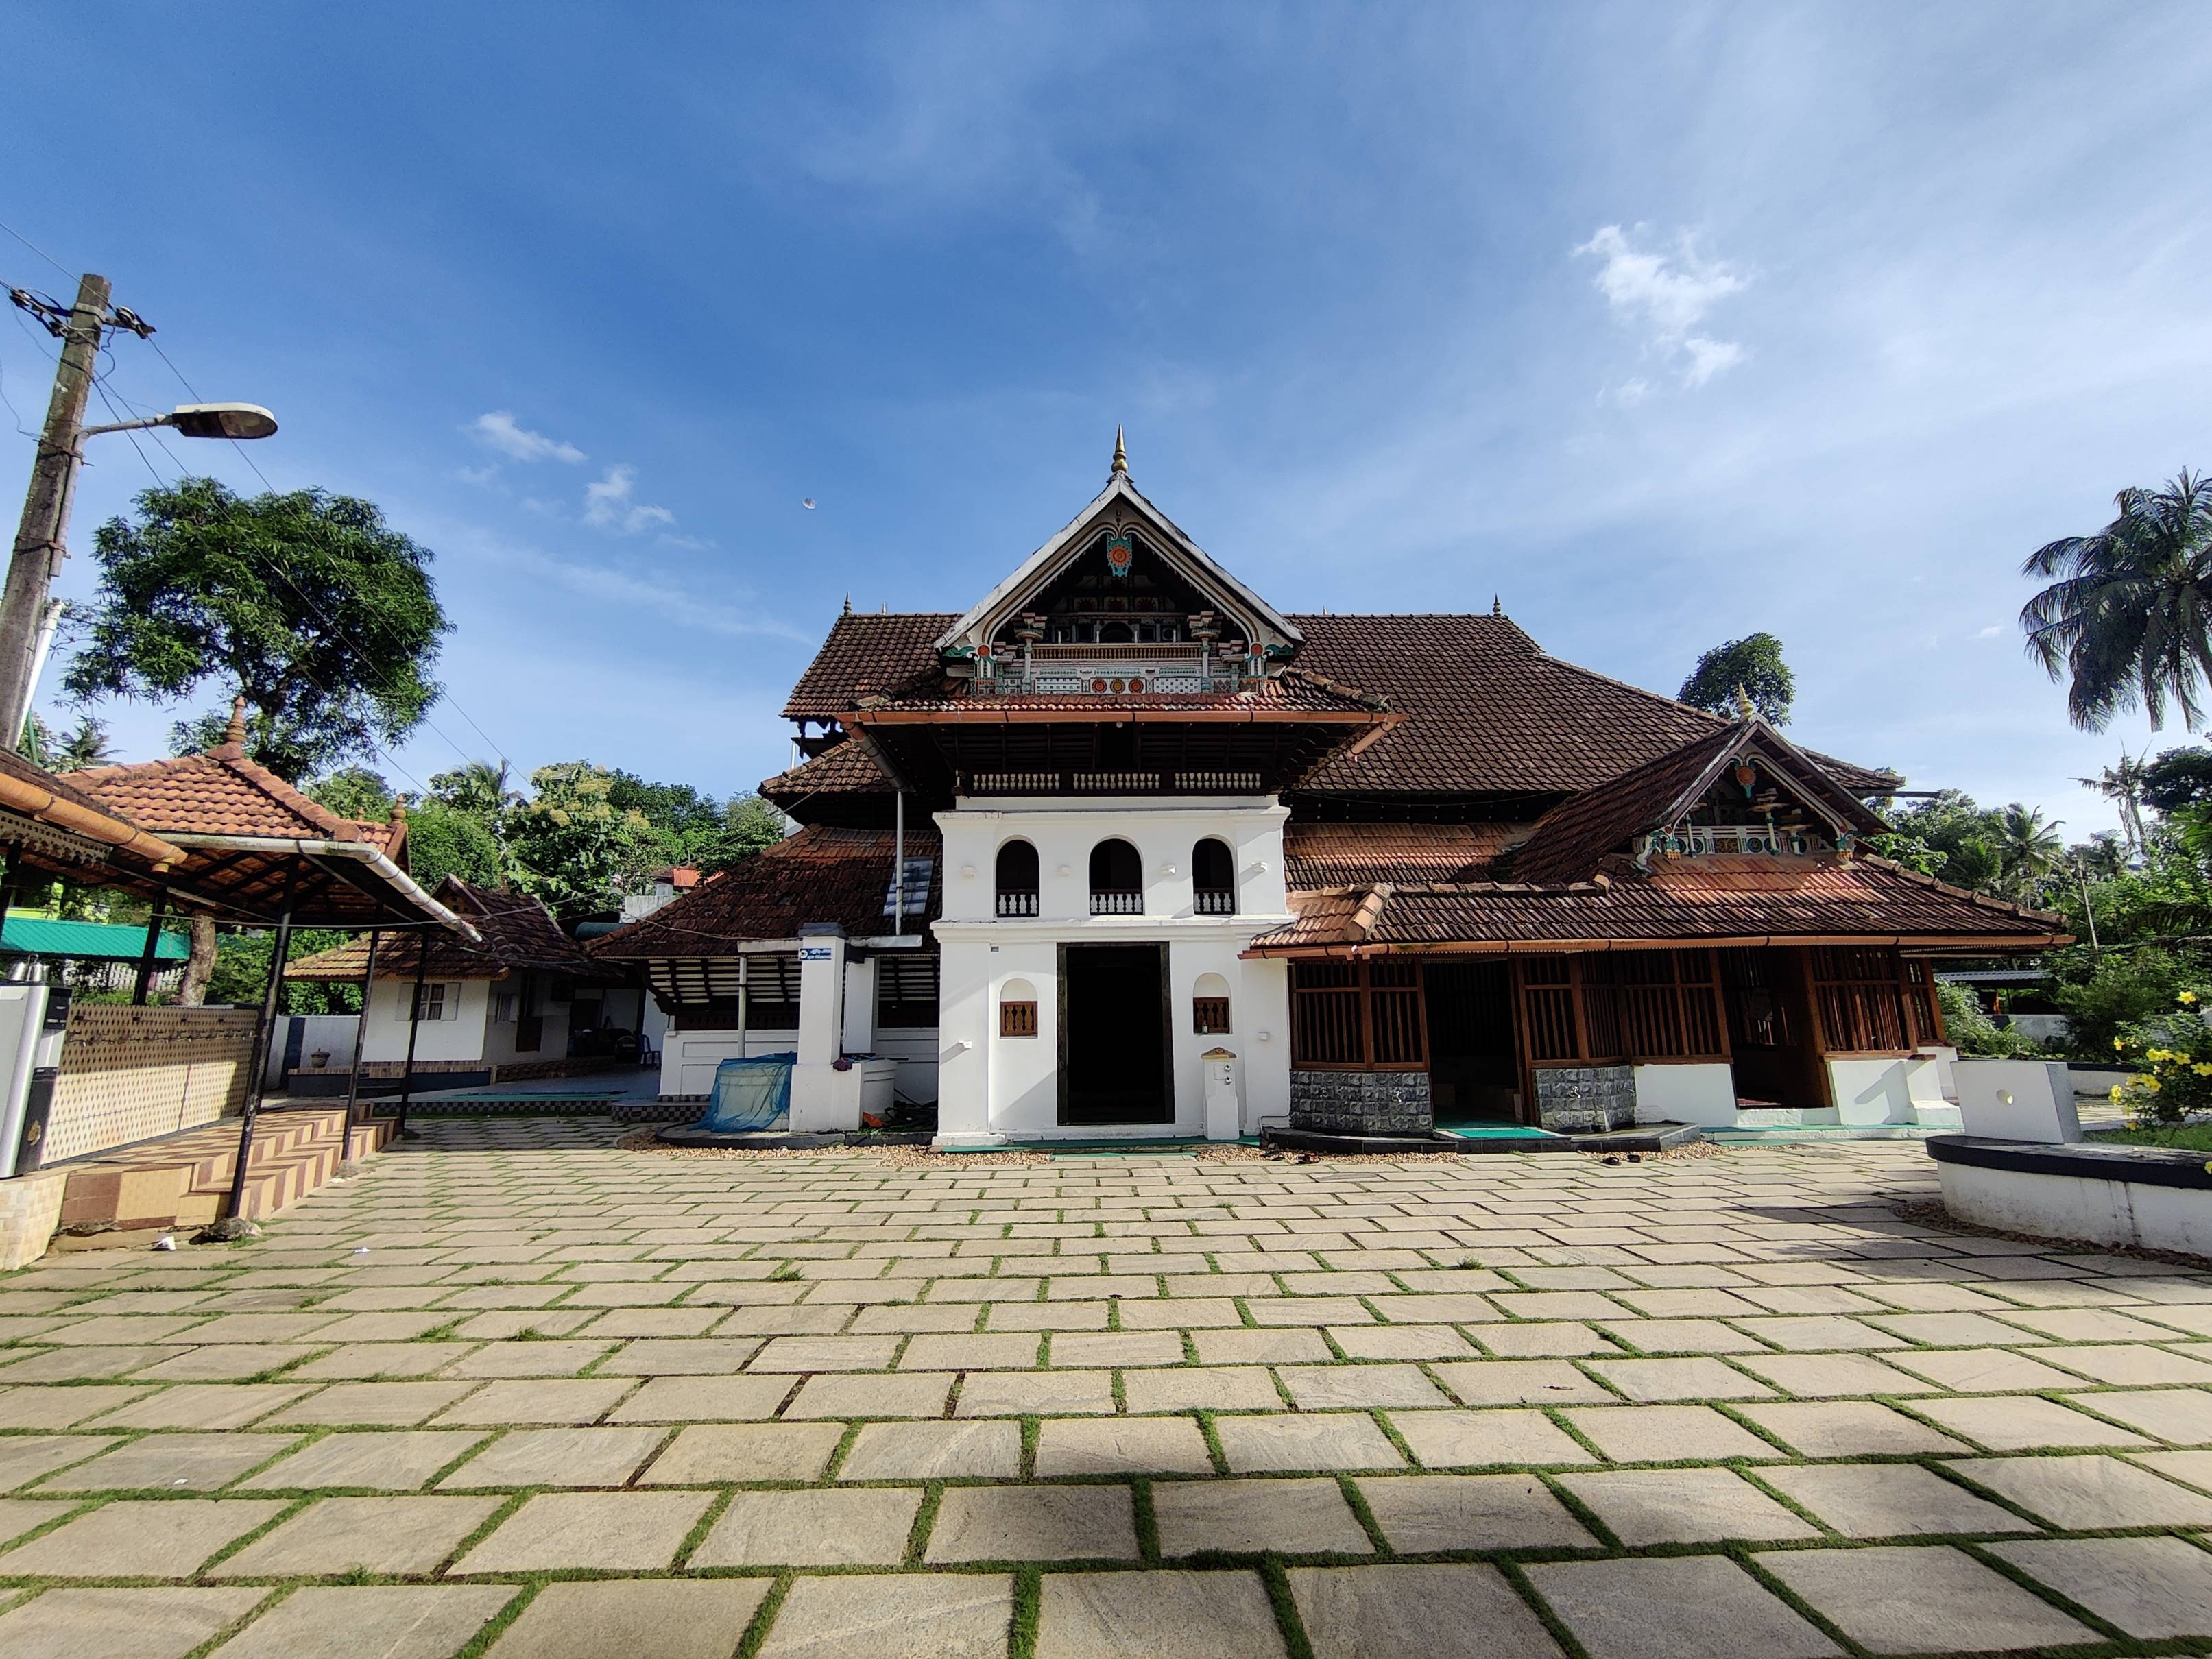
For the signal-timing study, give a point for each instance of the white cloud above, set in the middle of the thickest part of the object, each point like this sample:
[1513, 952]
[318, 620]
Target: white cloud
[1627, 394]
[477, 475]
[1669, 294]
[608, 504]
[498, 430]
[1990, 632]
[1708, 358]
[637, 590]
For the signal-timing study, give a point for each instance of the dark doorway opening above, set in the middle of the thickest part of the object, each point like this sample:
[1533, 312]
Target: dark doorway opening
[1114, 1050]
[1474, 1064]
[1771, 1044]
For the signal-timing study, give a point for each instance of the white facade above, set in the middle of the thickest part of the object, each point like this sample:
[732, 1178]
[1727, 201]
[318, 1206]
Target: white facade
[993, 1087]
[477, 1022]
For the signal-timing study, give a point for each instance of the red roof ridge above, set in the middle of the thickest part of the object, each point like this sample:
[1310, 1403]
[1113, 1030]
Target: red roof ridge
[1987, 900]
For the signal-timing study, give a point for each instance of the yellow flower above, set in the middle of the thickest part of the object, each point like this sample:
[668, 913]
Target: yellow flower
[2202, 1068]
[2151, 1084]
[2189, 996]
[2115, 1091]
[2119, 1042]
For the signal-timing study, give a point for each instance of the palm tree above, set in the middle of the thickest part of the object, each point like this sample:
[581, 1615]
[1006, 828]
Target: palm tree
[2127, 617]
[85, 747]
[2028, 847]
[2123, 784]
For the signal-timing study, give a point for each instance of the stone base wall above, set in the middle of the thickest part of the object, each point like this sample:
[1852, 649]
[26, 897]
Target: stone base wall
[1586, 1098]
[1362, 1103]
[30, 1210]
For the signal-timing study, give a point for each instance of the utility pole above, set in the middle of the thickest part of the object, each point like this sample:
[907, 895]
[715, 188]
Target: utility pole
[39, 545]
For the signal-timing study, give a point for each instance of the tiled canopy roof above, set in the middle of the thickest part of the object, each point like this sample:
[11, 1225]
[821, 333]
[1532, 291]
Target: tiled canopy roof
[519, 935]
[1716, 899]
[846, 768]
[219, 793]
[823, 873]
[1486, 711]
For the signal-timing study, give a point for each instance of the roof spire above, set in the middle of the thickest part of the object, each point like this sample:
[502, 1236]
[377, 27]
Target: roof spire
[1121, 456]
[234, 733]
[1744, 710]
[1496, 605]
[849, 604]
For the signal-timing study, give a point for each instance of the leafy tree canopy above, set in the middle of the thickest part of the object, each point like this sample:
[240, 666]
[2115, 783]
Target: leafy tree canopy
[309, 604]
[443, 840]
[2178, 778]
[354, 792]
[1755, 663]
[2125, 620]
[574, 847]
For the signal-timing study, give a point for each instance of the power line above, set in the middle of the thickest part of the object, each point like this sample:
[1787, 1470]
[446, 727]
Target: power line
[36, 249]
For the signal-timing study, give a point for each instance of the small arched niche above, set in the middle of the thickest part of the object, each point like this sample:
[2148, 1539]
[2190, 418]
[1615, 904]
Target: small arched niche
[1209, 1006]
[1018, 1009]
[1213, 878]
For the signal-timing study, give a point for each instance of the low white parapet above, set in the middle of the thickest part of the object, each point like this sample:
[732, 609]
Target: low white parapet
[2017, 1100]
[2146, 1197]
[1700, 1092]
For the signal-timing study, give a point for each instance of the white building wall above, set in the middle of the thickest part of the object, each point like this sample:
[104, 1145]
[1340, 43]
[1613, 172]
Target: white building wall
[458, 1036]
[992, 1087]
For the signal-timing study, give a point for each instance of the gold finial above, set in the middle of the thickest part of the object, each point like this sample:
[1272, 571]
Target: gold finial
[1120, 454]
[398, 811]
[1744, 710]
[234, 732]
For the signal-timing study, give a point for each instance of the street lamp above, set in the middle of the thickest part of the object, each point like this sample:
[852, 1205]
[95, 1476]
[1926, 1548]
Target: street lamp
[26, 615]
[202, 421]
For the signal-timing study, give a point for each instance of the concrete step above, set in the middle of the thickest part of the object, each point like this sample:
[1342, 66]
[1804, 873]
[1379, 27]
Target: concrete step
[184, 1181]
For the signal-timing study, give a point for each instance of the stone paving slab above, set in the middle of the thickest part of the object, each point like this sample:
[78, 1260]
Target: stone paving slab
[145, 1623]
[1932, 1599]
[802, 1370]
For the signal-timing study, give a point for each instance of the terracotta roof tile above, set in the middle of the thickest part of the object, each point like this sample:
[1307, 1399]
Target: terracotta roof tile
[823, 873]
[845, 769]
[218, 793]
[519, 935]
[868, 653]
[1343, 854]
[1713, 898]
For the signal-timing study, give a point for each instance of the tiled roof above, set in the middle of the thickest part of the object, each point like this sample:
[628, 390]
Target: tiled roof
[1569, 842]
[519, 935]
[868, 653]
[1488, 712]
[1720, 899]
[217, 792]
[1292, 692]
[1344, 854]
[823, 873]
[846, 768]
[52, 782]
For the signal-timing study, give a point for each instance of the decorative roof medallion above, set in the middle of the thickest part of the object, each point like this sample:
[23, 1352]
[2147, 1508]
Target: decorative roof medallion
[1121, 554]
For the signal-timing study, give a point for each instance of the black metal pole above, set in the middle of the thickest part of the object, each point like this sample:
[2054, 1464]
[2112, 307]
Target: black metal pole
[414, 1026]
[360, 1042]
[146, 958]
[279, 953]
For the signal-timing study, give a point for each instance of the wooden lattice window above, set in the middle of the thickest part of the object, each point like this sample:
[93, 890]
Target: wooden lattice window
[906, 992]
[1668, 1005]
[1871, 1001]
[1018, 1019]
[1366, 1015]
[1209, 1015]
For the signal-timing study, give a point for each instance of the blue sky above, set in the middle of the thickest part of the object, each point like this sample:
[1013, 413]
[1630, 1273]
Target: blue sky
[1663, 323]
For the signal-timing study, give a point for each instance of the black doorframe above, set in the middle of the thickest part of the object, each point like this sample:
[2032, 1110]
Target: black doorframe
[1167, 1114]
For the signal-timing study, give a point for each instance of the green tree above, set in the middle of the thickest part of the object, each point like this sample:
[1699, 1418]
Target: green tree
[574, 847]
[2123, 784]
[354, 792]
[86, 747]
[1949, 837]
[241, 972]
[443, 840]
[478, 788]
[747, 825]
[309, 604]
[2124, 621]
[2029, 847]
[2178, 778]
[1752, 663]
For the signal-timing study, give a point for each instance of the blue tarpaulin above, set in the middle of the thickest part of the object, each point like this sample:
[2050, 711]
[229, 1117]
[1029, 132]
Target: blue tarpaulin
[749, 1095]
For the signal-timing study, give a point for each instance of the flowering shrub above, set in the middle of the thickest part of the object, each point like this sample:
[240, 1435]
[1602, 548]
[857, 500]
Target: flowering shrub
[2172, 1057]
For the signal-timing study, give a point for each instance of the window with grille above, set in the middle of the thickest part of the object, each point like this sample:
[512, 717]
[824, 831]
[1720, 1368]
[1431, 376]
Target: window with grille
[906, 991]
[1366, 1015]
[430, 1002]
[1870, 1000]
[1018, 1019]
[1209, 1015]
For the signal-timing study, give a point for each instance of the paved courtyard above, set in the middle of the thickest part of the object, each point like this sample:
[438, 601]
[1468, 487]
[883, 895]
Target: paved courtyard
[517, 1391]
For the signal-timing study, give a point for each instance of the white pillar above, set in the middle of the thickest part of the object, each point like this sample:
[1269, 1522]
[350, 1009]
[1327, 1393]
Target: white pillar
[822, 1097]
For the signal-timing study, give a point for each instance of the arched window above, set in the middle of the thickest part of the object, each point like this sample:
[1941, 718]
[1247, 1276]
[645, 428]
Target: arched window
[1209, 1005]
[1018, 1009]
[1212, 879]
[1117, 880]
[1018, 879]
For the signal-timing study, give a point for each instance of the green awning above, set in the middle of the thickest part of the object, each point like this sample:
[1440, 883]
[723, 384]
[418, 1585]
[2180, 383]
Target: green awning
[41, 936]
